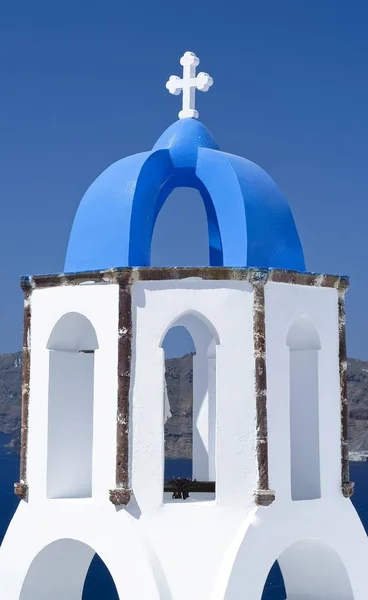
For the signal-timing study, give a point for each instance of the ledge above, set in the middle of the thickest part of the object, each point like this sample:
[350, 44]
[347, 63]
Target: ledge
[347, 488]
[194, 486]
[130, 275]
[120, 496]
[264, 497]
[21, 490]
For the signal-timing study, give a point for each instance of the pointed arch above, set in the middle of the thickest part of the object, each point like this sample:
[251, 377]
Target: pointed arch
[202, 391]
[198, 325]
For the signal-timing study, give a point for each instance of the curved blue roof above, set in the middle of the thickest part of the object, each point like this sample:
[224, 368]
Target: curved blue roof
[250, 224]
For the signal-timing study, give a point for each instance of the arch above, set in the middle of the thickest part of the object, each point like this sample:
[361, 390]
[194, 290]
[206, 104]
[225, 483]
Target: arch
[157, 179]
[73, 333]
[303, 334]
[197, 324]
[71, 346]
[250, 224]
[304, 344]
[60, 570]
[203, 391]
[311, 569]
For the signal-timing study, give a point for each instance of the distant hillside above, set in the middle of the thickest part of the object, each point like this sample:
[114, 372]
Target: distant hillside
[179, 377]
[178, 429]
[10, 392]
[358, 405]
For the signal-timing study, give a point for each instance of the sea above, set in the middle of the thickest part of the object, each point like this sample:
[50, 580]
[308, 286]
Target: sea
[99, 583]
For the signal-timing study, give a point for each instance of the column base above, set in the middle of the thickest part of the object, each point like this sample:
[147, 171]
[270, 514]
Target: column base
[264, 497]
[21, 490]
[347, 488]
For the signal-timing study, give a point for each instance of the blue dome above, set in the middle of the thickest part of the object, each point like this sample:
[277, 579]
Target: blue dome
[250, 223]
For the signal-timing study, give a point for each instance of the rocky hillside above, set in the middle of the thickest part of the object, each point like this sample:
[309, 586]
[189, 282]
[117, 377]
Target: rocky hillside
[179, 378]
[10, 383]
[358, 405]
[178, 430]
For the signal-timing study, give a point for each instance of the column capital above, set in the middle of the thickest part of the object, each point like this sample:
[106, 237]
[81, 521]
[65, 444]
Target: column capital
[258, 277]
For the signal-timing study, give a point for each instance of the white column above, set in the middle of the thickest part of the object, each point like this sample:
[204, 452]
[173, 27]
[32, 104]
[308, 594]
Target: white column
[200, 416]
[204, 414]
[212, 418]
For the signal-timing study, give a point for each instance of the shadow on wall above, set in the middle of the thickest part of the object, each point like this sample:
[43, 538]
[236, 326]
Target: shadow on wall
[308, 569]
[71, 346]
[304, 344]
[59, 571]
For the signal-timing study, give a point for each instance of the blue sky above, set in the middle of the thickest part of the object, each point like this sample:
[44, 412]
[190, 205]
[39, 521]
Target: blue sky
[83, 84]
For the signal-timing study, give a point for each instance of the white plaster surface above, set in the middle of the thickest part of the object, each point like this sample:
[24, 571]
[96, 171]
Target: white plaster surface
[70, 425]
[304, 345]
[205, 548]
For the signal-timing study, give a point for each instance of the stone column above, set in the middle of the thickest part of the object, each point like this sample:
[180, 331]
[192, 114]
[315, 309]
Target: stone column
[263, 495]
[121, 495]
[21, 488]
[346, 485]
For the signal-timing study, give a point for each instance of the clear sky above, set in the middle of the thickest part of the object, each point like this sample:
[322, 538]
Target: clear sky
[83, 84]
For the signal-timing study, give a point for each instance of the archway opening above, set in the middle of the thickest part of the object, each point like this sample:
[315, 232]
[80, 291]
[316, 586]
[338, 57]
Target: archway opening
[71, 346]
[190, 406]
[310, 570]
[68, 570]
[304, 344]
[180, 236]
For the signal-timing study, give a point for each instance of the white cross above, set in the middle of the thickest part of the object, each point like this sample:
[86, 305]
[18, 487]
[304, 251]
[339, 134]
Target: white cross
[189, 84]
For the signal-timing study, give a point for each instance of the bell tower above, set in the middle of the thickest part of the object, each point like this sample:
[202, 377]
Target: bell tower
[270, 474]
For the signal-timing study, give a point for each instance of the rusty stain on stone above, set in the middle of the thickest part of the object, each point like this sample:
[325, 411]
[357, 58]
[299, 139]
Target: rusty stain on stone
[122, 493]
[21, 488]
[263, 495]
[120, 497]
[346, 485]
[129, 275]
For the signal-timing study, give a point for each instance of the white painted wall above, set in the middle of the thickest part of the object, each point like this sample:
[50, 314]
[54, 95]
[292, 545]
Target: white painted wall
[70, 425]
[204, 416]
[75, 392]
[304, 425]
[304, 345]
[287, 381]
[226, 310]
[226, 546]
